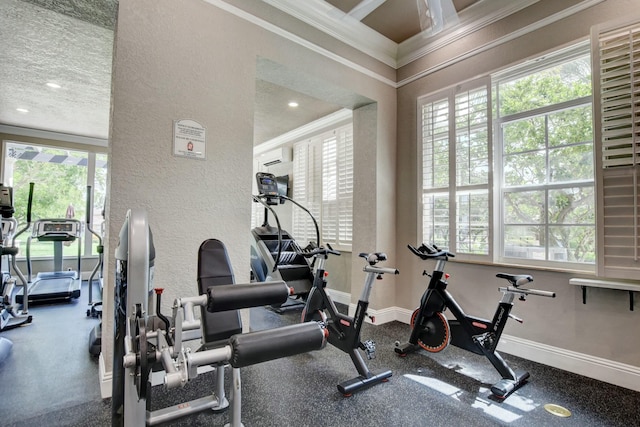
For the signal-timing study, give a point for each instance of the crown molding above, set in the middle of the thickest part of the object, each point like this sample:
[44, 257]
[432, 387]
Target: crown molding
[321, 15]
[472, 19]
[334, 119]
[585, 4]
[222, 4]
[334, 22]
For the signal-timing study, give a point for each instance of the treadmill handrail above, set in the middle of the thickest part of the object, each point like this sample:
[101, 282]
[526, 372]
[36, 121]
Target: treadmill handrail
[259, 199]
[315, 223]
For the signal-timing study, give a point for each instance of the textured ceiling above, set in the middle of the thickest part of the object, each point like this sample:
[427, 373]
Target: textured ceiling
[42, 46]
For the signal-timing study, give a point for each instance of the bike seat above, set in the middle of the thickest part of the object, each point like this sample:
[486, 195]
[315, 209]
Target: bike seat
[516, 279]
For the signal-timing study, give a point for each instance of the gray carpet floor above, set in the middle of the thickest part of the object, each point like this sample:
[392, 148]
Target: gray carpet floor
[51, 380]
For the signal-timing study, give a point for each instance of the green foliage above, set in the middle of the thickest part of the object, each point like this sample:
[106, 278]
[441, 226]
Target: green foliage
[57, 188]
[553, 150]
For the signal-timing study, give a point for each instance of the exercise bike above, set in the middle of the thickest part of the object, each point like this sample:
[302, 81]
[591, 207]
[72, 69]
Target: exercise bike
[432, 331]
[344, 331]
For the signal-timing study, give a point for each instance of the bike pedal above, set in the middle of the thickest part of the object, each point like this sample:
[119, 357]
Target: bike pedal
[369, 349]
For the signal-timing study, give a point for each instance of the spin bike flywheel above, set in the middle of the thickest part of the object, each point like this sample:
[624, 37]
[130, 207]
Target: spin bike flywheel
[434, 331]
[140, 348]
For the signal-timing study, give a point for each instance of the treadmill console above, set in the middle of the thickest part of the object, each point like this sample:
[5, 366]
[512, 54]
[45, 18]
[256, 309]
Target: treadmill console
[64, 230]
[56, 227]
[268, 186]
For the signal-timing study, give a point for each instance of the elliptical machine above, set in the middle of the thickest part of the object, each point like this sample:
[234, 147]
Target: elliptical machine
[10, 315]
[95, 307]
[432, 331]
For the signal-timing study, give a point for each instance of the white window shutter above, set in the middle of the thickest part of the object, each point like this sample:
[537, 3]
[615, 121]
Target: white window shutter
[618, 60]
[329, 190]
[616, 81]
[323, 183]
[345, 186]
[300, 191]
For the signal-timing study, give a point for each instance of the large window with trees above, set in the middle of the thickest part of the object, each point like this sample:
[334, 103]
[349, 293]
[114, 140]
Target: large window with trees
[60, 178]
[507, 164]
[544, 137]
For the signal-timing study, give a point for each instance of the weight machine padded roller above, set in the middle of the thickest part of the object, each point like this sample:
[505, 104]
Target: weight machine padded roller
[234, 297]
[262, 346]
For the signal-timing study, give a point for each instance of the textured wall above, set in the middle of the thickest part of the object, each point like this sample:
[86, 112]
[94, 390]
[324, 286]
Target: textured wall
[189, 59]
[563, 322]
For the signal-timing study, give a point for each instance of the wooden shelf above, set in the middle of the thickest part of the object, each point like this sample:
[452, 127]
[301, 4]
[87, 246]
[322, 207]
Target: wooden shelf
[607, 284]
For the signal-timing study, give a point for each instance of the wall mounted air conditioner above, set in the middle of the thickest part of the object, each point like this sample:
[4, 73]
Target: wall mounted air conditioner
[273, 157]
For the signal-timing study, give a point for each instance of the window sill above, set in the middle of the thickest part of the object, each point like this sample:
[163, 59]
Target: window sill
[559, 269]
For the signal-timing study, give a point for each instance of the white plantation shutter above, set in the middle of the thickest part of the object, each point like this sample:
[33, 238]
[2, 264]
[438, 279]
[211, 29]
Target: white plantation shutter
[472, 171]
[314, 203]
[345, 186]
[435, 171]
[456, 147]
[618, 63]
[616, 81]
[329, 190]
[620, 242]
[323, 183]
[299, 189]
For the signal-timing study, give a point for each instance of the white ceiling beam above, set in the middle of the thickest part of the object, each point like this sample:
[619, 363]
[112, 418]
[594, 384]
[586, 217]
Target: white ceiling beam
[364, 8]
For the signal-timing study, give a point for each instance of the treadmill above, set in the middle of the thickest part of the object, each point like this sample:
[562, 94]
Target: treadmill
[58, 285]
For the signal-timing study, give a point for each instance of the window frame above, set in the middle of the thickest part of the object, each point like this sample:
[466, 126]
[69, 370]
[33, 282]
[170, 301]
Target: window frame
[500, 190]
[527, 68]
[453, 191]
[496, 208]
[92, 152]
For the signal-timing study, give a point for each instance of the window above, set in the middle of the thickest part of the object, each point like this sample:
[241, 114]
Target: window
[507, 165]
[323, 183]
[456, 149]
[544, 137]
[61, 177]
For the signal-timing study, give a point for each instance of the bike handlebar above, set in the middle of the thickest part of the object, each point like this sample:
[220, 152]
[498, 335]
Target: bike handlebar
[310, 252]
[426, 251]
[372, 259]
[524, 291]
[380, 270]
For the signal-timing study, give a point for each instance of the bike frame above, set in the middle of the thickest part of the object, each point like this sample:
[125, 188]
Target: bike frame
[474, 334]
[344, 331]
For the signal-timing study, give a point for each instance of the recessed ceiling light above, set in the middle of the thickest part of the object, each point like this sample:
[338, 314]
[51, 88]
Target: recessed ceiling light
[293, 104]
[54, 85]
[22, 110]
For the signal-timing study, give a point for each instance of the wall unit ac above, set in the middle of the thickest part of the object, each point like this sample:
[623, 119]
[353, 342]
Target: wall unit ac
[273, 157]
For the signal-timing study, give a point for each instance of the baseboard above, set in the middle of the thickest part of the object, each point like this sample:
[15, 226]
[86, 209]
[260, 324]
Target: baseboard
[620, 374]
[104, 378]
